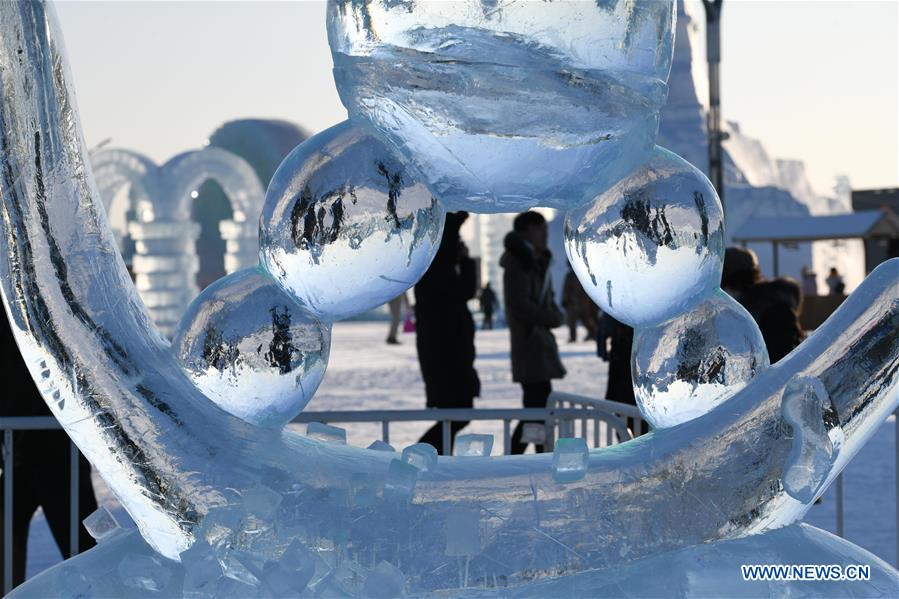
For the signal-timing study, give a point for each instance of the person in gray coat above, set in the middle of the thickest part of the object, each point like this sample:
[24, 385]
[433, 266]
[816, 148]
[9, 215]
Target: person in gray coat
[531, 313]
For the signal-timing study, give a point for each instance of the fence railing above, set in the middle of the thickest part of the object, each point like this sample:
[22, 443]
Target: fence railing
[567, 415]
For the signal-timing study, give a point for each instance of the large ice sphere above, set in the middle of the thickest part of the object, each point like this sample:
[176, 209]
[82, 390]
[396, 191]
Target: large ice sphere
[685, 367]
[507, 105]
[650, 247]
[252, 349]
[345, 226]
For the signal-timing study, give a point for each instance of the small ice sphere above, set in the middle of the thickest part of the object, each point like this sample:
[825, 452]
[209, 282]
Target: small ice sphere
[385, 581]
[379, 445]
[345, 227]
[817, 437]
[651, 246]
[326, 432]
[252, 349]
[570, 459]
[421, 455]
[685, 367]
[102, 525]
[473, 445]
[261, 501]
[463, 532]
[202, 570]
[401, 479]
[143, 572]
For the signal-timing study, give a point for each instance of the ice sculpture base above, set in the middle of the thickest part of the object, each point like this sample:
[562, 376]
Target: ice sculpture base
[707, 570]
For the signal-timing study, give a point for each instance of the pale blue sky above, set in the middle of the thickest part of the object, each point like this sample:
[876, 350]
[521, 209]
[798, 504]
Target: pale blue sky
[814, 80]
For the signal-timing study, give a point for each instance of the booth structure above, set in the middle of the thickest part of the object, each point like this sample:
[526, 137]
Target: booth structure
[869, 225]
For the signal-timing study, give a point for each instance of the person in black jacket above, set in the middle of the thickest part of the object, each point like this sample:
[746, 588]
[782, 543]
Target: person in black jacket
[531, 313]
[775, 305]
[445, 329]
[40, 465]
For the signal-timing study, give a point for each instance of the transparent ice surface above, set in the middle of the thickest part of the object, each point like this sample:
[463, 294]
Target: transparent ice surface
[144, 572]
[384, 581]
[326, 432]
[688, 365]
[463, 532]
[504, 106]
[346, 227]
[570, 460]
[252, 349]
[708, 491]
[652, 245]
[473, 445]
[101, 524]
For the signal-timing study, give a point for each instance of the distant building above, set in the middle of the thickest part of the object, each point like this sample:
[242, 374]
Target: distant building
[756, 185]
[876, 251]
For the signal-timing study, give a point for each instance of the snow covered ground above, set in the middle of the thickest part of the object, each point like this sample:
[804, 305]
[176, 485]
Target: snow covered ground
[366, 374]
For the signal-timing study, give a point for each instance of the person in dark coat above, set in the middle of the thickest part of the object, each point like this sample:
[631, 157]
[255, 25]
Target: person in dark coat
[775, 305]
[488, 304]
[531, 313]
[40, 465]
[614, 344]
[445, 329]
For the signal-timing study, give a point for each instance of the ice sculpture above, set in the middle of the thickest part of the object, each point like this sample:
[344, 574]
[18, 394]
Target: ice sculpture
[456, 86]
[165, 263]
[647, 248]
[253, 350]
[227, 508]
[345, 228]
[685, 367]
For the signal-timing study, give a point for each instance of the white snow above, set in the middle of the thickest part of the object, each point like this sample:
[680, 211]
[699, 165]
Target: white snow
[367, 374]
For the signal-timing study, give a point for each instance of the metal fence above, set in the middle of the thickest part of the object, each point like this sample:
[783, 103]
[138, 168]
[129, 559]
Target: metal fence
[601, 421]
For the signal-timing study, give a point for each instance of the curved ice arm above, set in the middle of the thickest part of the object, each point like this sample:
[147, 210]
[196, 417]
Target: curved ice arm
[105, 372]
[170, 455]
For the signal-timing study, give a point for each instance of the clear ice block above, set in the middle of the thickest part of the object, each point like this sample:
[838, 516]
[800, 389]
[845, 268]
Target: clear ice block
[421, 455]
[326, 432]
[473, 445]
[102, 525]
[570, 459]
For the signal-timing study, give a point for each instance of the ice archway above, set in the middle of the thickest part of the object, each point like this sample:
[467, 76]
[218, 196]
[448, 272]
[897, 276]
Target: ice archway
[165, 262]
